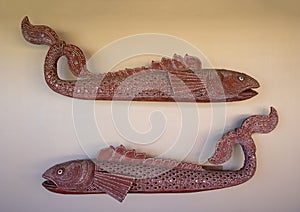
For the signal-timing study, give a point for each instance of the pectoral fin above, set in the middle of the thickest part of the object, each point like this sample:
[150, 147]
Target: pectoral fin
[115, 185]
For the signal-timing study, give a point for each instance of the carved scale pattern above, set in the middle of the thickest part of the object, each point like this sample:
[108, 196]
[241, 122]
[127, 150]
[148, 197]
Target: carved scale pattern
[176, 79]
[127, 171]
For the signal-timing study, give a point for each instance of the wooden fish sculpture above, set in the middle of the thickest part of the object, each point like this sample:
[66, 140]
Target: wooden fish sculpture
[176, 79]
[118, 171]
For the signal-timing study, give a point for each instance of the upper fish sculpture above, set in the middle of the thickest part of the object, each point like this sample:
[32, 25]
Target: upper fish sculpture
[176, 79]
[118, 171]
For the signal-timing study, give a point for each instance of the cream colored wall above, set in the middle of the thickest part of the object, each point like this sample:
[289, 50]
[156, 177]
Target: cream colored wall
[260, 38]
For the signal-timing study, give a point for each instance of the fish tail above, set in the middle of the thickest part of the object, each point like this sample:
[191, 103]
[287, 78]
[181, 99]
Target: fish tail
[242, 136]
[261, 123]
[38, 34]
[41, 34]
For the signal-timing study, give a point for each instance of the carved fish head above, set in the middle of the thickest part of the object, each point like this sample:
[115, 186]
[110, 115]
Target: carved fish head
[70, 176]
[236, 85]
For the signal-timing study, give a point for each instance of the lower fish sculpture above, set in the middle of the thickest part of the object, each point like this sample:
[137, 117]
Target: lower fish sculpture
[118, 171]
[176, 79]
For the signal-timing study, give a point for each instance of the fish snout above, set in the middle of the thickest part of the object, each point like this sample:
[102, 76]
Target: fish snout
[247, 90]
[255, 83]
[49, 182]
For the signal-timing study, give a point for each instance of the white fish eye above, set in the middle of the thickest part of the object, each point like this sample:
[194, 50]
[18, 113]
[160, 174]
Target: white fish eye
[60, 171]
[241, 78]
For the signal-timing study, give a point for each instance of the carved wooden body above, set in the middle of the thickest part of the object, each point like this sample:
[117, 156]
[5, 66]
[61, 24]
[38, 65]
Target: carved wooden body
[176, 79]
[118, 171]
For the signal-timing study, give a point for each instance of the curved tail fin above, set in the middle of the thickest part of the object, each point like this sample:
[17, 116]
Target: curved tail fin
[38, 34]
[242, 135]
[260, 123]
[41, 34]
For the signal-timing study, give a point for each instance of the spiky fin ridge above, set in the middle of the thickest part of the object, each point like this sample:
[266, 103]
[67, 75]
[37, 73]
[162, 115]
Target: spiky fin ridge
[177, 63]
[121, 154]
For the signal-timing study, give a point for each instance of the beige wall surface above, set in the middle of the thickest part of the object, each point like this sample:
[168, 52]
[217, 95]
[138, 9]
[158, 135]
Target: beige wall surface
[38, 127]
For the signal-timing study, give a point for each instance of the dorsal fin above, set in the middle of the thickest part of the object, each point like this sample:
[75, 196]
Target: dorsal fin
[177, 63]
[121, 154]
[192, 62]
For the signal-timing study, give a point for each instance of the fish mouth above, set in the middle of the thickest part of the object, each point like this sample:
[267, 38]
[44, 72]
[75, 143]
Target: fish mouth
[52, 186]
[248, 93]
[49, 184]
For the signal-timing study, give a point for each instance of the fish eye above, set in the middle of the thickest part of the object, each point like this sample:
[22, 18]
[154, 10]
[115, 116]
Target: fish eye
[241, 78]
[60, 171]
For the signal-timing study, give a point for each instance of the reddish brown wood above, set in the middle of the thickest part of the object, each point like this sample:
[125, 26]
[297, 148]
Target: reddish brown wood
[176, 79]
[118, 171]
